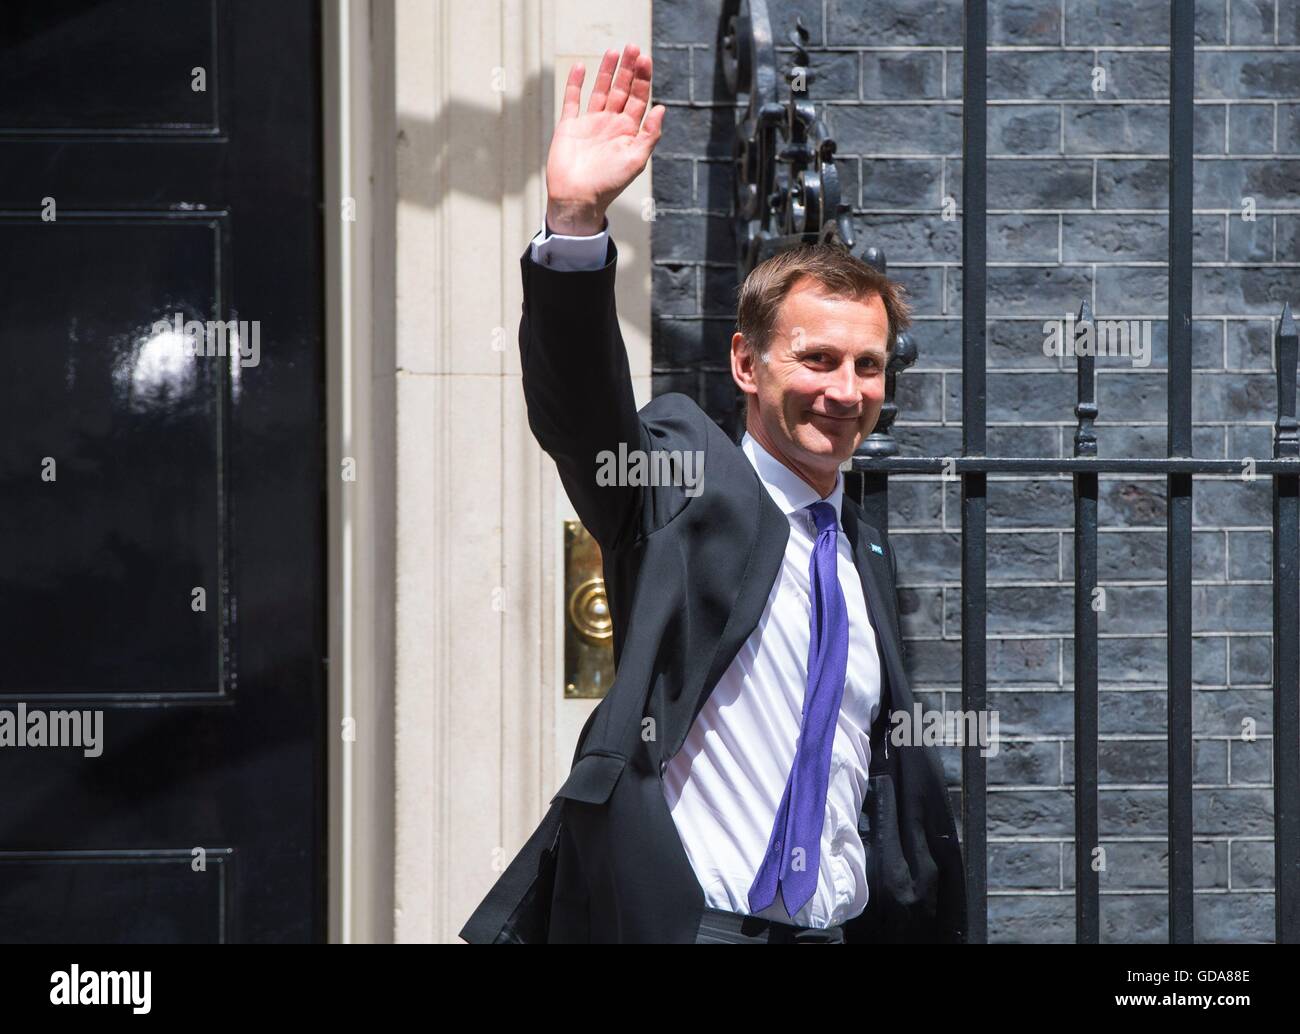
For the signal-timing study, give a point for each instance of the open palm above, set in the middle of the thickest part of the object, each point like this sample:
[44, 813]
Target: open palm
[596, 154]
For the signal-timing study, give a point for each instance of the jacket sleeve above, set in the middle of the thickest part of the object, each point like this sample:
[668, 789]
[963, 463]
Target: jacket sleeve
[578, 390]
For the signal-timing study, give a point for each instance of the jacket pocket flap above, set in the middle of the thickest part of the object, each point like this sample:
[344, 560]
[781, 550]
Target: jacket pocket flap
[592, 778]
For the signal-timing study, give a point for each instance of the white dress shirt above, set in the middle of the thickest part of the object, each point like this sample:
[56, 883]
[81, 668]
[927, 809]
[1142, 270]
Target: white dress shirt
[724, 785]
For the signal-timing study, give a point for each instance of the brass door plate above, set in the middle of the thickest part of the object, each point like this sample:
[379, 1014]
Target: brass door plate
[588, 626]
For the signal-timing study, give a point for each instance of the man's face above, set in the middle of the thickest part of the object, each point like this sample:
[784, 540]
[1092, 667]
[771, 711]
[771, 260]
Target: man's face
[820, 392]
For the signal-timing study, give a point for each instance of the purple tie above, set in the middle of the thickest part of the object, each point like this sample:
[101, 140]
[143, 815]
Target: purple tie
[794, 849]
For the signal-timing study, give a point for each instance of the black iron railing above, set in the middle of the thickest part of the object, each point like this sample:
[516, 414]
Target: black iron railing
[774, 165]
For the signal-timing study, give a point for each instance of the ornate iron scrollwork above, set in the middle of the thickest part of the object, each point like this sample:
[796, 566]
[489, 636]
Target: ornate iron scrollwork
[787, 186]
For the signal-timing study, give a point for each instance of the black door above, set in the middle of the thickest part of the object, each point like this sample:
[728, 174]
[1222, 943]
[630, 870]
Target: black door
[161, 490]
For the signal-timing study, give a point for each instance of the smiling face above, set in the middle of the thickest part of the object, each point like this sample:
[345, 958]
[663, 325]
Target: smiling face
[820, 390]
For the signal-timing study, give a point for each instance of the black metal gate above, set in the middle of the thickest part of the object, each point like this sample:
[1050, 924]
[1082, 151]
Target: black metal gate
[787, 194]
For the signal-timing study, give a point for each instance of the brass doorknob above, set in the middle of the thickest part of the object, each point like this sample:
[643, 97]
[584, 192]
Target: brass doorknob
[589, 612]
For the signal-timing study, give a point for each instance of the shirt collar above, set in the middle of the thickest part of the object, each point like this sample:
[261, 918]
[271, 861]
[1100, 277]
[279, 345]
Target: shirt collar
[788, 489]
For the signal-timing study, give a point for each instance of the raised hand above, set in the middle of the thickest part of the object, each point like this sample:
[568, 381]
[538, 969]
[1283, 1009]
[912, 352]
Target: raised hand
[594, 156]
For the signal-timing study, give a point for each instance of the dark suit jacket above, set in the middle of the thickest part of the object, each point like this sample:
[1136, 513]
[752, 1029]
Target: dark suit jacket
[687, 579]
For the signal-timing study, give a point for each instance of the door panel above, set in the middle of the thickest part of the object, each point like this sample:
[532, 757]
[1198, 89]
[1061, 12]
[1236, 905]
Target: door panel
[162, 512]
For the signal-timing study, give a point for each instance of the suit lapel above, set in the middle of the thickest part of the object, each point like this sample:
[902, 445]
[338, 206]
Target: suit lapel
[761, 569]
[873, 571]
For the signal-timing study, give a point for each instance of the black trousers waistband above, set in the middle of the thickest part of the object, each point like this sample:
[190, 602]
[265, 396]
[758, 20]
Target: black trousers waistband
[721, 927]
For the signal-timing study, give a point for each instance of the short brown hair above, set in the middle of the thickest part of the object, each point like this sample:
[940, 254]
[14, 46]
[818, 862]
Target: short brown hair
[833, 266]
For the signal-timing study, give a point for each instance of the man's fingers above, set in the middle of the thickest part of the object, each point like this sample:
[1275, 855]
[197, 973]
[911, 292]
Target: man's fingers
[573, 91]
[652, 129]
[623, 80]
[596, 102]
[640, 95]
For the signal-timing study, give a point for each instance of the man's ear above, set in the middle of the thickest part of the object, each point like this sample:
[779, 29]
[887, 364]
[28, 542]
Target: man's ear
[743, 360]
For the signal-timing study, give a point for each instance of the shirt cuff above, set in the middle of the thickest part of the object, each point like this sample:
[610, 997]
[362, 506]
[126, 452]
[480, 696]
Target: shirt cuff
[569, 254]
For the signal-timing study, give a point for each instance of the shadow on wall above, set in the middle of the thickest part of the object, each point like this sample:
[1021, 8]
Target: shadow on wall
[455, 155]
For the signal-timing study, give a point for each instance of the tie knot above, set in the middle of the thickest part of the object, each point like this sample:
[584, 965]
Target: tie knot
[824, 514]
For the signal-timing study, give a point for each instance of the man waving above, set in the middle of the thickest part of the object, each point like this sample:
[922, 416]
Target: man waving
[737, 783]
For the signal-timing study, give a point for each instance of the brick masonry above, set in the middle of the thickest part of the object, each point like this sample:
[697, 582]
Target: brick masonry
[1077, 209]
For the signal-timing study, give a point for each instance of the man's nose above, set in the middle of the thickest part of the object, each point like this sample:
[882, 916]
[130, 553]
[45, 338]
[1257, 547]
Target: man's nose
[843, 387]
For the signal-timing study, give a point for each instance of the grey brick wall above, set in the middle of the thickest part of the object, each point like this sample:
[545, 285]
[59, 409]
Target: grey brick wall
[1078, 209]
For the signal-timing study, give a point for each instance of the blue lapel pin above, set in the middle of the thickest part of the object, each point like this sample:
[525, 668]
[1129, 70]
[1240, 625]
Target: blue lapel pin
[877, 549]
